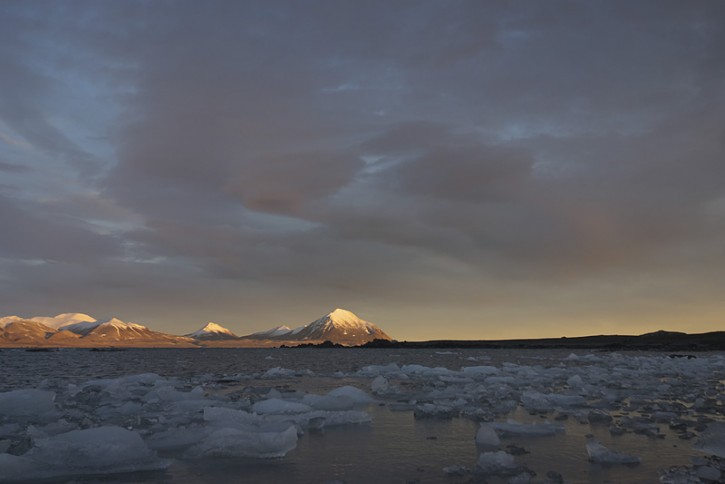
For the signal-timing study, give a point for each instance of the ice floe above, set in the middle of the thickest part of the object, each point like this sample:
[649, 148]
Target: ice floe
[24, 403]
[598, 453]
[487, 436]
[101, 450]
[496, 463]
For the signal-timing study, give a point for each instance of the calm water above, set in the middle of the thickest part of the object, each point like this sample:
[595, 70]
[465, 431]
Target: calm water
[397, 447]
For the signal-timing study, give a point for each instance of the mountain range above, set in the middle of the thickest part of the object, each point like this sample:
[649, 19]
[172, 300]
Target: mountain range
[78, 329]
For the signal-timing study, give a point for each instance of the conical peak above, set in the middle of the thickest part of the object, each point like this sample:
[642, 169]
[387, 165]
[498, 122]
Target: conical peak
[342, 315]
[211, 329]
[210, 326]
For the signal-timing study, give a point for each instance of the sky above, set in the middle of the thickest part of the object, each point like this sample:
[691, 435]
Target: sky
[460, 170]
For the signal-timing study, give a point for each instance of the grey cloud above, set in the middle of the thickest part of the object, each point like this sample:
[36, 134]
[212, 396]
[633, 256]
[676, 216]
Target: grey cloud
[496, 145]
[13, 168]
[29, 233]
[283, 184]
[21, 107]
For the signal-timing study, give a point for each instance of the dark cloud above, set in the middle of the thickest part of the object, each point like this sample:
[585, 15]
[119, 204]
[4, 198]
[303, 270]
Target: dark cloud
[30, 233]
[472, 156]
[282, 184]
[13, 168]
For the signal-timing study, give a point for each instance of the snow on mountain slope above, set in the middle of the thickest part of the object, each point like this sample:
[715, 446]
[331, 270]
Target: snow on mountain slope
[212, 331]
[117, 331]
[340, 326]
[274, 332]
[65, 319]
[4, 321]
[78, 329]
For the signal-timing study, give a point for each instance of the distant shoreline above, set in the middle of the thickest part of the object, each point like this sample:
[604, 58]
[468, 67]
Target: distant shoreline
[659, 341]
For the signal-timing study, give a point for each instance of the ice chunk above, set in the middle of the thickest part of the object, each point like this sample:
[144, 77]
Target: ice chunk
[432, 410]
[229, 417]
[278, 372]
[456, 470]
[712, 440]
[320, 418]
[424, 371]
[58, 427]
[599, 417]
[522, 478]
[487, 436]
[177, 438]
[709, 474]
[319, 402]
[276, 406]
[512, 427]
[102, 450]
[9, 430]
[357, 395]
[26, 403]
[375, 370]
[15, 468]
[575, 381]
[496, 463]
[545, 402]
[680, 475]
[380, 385]
[480, 371]
[231, 442]
[599, 453]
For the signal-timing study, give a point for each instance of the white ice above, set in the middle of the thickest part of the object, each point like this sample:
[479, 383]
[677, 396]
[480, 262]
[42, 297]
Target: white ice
[496, 463]
[26, 403]
[327, 402]
[232, 442]
[600, 454]
[101, 450]
[712, 440]
[487, 436]
[357, 395]
[277, 406]
[512, 427]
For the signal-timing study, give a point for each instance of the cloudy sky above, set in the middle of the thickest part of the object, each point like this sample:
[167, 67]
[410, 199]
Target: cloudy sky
[444, 169]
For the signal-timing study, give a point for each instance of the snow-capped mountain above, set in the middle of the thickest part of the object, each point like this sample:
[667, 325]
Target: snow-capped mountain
[78, 329]
[67, 320]
[116, 330]
[5, 320]
[340, 326]
[81, 330]
[212, 331]
[76, 322]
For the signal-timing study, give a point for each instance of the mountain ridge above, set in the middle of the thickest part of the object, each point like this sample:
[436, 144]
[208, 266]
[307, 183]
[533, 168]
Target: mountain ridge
[78, 329]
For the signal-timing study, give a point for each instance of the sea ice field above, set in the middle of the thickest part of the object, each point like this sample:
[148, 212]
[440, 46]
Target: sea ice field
[361, 415]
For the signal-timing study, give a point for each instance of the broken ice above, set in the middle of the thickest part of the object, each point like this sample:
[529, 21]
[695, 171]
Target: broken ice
[600, 454]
